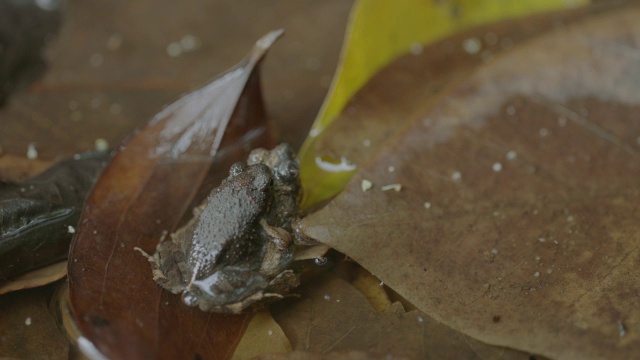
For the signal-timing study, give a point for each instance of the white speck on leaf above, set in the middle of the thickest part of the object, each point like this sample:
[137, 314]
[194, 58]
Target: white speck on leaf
[27, 321]
[427, 205]
[32, 152]
[396, 187]
[497, 167]
[71, 229]
[511, 155]
[366, 185]
[472, 45]
[456, 176]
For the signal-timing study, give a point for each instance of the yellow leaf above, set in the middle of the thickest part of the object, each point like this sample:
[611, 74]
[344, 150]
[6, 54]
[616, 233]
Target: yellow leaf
[379, 31]
[263, 336]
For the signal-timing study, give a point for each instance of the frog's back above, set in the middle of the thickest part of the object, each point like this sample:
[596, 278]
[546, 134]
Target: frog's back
[232, 210]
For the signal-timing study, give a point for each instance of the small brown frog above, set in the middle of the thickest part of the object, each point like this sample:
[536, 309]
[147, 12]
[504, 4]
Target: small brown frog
[236, 250]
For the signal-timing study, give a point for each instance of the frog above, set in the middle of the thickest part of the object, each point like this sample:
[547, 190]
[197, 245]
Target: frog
[235, 252]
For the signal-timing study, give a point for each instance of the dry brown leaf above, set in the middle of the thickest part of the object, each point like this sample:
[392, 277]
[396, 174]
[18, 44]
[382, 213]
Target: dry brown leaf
[372, 288]
[517, 222]
[335, 316]
[334, 355]
[17, 168]
[42, 276]
[263, 336]
[27, 328]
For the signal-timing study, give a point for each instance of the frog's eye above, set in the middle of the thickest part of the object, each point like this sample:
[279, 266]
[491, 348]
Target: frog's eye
[190, 297]
[237, 169]
[288, 170]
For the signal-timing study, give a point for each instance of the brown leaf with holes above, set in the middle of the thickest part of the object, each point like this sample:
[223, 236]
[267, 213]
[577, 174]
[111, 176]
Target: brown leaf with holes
[335, 316]
[151, 183]
[517, 221]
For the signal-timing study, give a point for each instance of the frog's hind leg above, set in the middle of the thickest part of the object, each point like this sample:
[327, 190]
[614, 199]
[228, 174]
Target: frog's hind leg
[168, 266]
[282, 283]
[279, 236]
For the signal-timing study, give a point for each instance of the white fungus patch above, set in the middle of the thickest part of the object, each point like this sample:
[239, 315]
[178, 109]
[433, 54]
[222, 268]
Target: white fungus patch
[71, 229]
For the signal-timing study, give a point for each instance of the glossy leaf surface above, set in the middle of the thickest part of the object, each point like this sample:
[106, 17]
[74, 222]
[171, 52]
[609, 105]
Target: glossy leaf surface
[151, 184]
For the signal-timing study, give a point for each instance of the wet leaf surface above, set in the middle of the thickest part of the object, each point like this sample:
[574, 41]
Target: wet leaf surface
[334, 316]
[517, 221]
[38, 216]
[151, 183]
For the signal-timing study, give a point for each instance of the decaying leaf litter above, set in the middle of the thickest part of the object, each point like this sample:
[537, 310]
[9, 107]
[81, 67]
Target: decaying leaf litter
[493, 167]
[530, 169]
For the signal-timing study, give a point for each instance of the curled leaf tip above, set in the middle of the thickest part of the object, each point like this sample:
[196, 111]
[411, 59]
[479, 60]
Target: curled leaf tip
[266, 41]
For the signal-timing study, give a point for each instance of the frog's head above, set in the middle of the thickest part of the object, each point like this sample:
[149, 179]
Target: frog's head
[191, 296]
[281, 161]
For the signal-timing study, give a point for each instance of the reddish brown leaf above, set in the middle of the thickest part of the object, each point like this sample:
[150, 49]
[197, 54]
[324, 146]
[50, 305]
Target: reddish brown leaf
[517, 219]
[148, 187]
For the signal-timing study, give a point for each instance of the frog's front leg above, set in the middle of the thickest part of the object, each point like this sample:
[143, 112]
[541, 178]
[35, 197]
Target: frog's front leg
[279, 236]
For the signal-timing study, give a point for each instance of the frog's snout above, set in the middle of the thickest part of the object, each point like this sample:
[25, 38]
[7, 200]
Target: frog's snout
[191, 296]
[288, 170]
